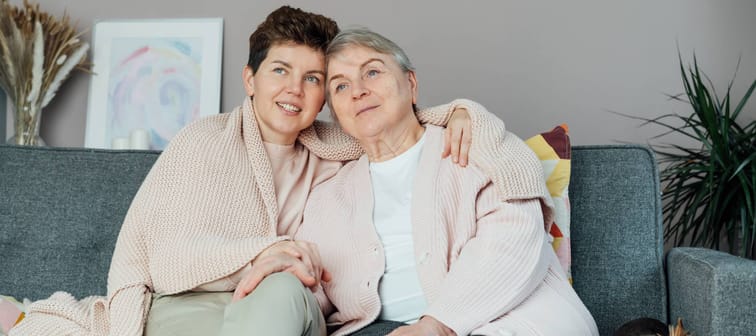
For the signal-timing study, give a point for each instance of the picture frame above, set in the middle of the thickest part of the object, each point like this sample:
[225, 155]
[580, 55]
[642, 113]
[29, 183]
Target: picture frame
[151, 78]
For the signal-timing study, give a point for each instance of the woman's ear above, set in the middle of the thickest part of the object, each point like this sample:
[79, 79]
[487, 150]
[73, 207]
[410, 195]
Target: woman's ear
[413, 85]
[248, 78]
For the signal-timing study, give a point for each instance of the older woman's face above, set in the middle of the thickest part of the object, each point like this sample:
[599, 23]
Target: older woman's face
[369, 92]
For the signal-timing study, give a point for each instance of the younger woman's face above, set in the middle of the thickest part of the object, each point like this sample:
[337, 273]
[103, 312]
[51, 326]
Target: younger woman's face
[288, 91]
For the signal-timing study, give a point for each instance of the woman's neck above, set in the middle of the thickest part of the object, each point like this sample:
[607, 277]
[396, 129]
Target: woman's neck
[391, 144]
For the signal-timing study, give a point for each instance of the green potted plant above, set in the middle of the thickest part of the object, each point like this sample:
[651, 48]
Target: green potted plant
[709, 189]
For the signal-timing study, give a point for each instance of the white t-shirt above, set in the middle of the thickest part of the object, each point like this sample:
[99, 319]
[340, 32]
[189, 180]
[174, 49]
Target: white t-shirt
[401, 296]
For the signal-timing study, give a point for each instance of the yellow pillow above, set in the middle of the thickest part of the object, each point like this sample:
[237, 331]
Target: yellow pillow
[554, 151]
[11, 313]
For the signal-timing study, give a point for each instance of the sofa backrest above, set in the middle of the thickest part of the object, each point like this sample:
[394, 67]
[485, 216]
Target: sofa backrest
[61, 210]
[60, 214]
[616, 234]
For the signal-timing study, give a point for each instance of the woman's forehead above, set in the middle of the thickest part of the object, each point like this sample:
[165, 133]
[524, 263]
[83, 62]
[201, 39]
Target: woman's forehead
[358, 56]
[295, 54]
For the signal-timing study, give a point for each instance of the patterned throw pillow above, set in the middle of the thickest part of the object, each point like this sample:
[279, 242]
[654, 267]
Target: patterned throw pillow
[11, 312]
[554, 151]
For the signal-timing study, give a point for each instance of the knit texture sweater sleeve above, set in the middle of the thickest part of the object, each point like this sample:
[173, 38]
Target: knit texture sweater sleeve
[500, 154]
[506, 255]
[62, 314]
[129, 281]
[128, 310]
[511, 165]
[481, 285]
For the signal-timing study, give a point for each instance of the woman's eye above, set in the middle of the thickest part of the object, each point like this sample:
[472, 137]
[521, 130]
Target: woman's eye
[372, 73]
[312, 79]
[279, 71]
[339, 87]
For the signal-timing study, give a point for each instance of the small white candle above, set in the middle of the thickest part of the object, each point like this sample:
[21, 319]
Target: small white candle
[139, 139]
[120, 143]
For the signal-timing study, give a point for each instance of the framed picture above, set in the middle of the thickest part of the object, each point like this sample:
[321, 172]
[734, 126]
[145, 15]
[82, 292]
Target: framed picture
[151, 78]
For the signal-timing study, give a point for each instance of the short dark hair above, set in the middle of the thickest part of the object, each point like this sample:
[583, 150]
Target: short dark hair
[290, 25]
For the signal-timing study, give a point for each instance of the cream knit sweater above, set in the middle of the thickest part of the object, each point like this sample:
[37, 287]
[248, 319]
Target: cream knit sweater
[208, 207]
[484, 266]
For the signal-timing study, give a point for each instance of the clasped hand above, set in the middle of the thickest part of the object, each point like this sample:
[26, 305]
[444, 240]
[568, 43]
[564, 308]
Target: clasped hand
[299, 258]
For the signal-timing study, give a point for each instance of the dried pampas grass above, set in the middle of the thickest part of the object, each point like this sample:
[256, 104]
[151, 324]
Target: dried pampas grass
[37, 54]
[678, 330]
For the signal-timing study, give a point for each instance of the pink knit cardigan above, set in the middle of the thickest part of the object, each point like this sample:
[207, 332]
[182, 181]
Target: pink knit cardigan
[484, 265]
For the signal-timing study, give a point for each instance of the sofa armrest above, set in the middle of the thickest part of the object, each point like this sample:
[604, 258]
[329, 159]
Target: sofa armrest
[713, 292]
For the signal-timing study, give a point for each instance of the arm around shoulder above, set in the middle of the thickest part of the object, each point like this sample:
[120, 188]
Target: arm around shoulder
[439, 115]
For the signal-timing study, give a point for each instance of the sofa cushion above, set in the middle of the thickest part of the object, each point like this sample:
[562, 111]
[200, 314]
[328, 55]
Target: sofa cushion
[60, 213]
[554, 151]
[616, 234]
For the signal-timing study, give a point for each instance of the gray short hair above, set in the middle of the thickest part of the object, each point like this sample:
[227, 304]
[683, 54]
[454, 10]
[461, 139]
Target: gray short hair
[364, 37]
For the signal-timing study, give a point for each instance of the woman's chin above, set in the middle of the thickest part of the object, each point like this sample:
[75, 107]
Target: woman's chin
[370, 136]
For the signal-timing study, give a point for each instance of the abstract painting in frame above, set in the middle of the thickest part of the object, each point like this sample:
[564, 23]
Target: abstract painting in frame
[153, 75]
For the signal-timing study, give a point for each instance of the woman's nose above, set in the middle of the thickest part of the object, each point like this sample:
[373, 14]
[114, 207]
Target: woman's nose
[295, 87]
[359, 91]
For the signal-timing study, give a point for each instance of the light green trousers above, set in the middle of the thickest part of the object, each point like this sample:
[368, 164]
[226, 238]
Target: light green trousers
[280, 305]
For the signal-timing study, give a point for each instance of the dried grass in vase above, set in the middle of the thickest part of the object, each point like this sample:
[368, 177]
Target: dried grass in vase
[678, 330]
[37, 54]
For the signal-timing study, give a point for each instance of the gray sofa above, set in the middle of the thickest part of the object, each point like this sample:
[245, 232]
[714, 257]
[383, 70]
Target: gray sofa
[61, 209]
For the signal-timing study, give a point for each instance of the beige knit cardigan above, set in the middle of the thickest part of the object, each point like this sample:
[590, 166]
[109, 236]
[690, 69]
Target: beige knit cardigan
[208, 207]
[485, 266]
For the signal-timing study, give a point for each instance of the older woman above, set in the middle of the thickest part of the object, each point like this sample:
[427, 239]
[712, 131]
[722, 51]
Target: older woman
[411, 237]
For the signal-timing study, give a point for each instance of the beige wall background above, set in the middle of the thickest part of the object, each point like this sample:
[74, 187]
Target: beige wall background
[535, 63]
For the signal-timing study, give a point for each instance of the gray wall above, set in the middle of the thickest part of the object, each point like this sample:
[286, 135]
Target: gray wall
[534, 63]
